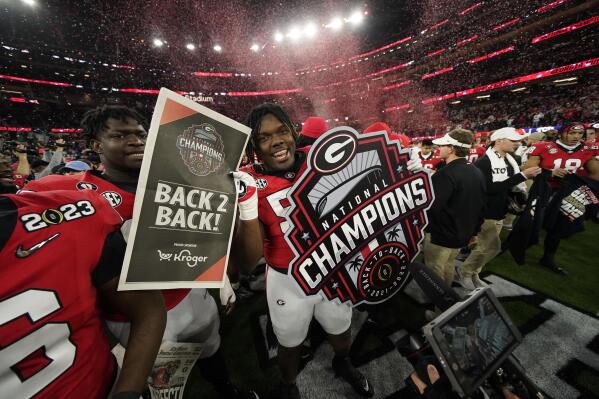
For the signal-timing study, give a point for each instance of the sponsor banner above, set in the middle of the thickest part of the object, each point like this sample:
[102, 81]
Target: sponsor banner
[171, 369]
[357, 217]
[186, 202]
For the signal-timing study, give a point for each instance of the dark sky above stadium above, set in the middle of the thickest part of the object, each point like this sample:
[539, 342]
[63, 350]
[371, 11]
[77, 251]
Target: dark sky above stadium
[126, 28]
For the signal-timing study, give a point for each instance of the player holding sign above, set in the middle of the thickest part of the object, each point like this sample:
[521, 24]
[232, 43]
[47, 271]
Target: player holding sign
[261, 231]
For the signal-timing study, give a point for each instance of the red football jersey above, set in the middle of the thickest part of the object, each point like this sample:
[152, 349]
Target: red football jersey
[51, 336]
[273, 204]
[474, 153]
[556, 155]
[431, 161]
[121, 200]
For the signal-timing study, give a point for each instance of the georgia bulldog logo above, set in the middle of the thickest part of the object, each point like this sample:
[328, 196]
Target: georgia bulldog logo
[357, 217]
[201, 149]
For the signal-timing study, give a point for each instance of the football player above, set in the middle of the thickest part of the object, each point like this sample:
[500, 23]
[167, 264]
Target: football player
[475, 152]
[118, 135]
[261, 232]
[568, 154]
[428, 158]
[59, 252]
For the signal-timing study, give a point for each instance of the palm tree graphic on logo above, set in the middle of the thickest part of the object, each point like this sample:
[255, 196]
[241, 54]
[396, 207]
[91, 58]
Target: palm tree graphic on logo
[355, 263]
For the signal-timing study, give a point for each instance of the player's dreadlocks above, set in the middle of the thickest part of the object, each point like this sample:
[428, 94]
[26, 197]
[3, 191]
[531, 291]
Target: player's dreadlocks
[254, 121]
[95, 119]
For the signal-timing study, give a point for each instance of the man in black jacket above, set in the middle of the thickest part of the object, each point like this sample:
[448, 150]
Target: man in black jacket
[457, 212]
[502, 176]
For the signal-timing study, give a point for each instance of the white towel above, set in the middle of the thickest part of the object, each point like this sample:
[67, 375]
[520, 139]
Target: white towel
[499, 168]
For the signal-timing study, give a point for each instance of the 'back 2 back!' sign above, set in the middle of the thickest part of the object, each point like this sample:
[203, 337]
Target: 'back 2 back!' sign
[357, 216]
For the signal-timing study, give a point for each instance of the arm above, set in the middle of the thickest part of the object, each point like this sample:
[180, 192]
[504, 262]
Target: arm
[145, 310]
[484, 165]
[57, 158]
[247, 245]
[592, 166]
[533, 160]
[23, 167]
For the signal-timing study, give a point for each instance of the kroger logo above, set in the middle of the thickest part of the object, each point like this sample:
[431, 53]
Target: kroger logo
[183, 256]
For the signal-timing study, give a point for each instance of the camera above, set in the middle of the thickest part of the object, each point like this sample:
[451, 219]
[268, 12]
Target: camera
[470, 343]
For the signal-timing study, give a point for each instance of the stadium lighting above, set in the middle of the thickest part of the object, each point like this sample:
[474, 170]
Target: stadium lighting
[255, 48]
[190, 46]
[279, 37]
[31, 3]
[310, 30]
[484, 96]
[294, 33]
[565, 80]
[158, 43]
[519, 89]
[217, 48]
[455, 102]
[335, 24]
[356, 18]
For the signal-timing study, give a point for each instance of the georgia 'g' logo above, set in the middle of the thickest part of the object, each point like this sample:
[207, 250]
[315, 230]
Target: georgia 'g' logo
[334, 153]
[201, 149]
[356, 217]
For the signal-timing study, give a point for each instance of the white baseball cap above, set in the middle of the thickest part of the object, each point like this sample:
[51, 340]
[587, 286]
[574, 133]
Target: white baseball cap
[448, 140]
[507, 133]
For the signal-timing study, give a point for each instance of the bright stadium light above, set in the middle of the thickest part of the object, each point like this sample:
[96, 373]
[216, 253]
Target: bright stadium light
[255, 48]
[190, 46]
[335, 24]
[310, 30]
[356, 18]
[31, 3]
[158, 43]
[294, 33]
[279, 37]
[217, 48]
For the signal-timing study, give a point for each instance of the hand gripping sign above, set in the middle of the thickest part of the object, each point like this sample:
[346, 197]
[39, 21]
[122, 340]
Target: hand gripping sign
[357, 217]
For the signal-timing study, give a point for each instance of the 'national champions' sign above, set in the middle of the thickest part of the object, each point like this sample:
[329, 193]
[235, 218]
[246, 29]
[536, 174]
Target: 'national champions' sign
[357, 216]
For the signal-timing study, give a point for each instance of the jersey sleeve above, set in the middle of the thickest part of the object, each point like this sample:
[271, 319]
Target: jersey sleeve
[111, 259]
[109, 216]
[537, 149]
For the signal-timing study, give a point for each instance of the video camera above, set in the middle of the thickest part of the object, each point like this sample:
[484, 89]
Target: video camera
[470, 343]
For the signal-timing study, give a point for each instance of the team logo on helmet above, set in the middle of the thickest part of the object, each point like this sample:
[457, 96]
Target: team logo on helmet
[84, 185]
[356, 218]
[201, 148]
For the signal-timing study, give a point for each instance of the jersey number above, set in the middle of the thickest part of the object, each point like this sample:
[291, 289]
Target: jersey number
[571, 165]
[472, 158]
[274, 200]
[54, 337]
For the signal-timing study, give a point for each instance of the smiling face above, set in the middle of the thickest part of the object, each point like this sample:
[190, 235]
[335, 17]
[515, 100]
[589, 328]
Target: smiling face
[121, 145]
[275, 144]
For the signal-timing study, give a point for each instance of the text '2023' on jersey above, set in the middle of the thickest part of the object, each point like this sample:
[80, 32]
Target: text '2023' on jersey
[121, 199]
[52, 344]
[273, 203]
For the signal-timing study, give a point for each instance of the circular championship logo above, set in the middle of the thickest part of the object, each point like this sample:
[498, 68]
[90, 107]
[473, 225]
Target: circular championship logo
[113, 198]
[84, 185]
[52, 216]
[201, 149]
[334, 153]
[384, 272]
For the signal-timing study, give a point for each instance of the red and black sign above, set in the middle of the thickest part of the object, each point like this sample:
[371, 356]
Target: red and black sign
[357, 216]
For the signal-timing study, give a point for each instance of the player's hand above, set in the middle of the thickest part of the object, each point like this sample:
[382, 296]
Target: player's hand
[415, 162]
[227, 296]
[559, 172]
[507, 394]
[531, 172]
[20, 149]
[248, 195]
[433, 376]
[473, 242]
